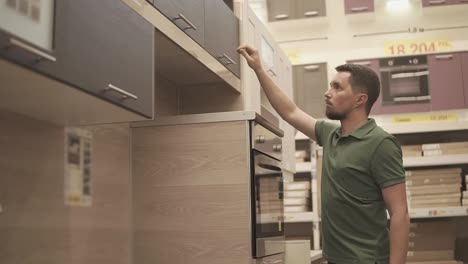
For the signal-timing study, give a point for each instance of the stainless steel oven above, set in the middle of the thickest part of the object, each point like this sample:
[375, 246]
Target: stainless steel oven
[266, 193]
[404, 80]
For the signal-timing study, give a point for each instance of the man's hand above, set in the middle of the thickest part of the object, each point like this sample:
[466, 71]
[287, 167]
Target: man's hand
[252, 57]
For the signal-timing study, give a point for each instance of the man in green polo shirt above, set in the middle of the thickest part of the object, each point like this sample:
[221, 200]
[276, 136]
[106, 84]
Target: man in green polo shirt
[362, 173]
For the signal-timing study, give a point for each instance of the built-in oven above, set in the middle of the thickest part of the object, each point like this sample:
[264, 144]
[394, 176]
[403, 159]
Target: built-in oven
[404, 80]
[266, 193]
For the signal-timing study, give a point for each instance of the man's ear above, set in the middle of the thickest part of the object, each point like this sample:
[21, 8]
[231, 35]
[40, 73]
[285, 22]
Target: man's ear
[361, 99]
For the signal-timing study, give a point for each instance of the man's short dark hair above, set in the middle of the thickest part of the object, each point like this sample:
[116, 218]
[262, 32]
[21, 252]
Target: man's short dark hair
[364, 80]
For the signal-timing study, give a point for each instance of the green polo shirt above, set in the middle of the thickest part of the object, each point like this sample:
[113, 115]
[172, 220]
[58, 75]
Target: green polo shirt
[355, 169]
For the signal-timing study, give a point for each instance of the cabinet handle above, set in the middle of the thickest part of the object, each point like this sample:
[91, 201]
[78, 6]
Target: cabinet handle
[311, 13]
[272, 262]
[437, 2]
[186, 20]
[363, 63]
[444, 57]
[281, 16]
[311, 67]
[463, 1]
[124, 93]
[359, 9]
[31, 49]
[230, 61]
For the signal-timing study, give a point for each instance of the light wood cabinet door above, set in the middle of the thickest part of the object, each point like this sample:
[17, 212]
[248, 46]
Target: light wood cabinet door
[281, 10]
[310, 84]
[310, 8]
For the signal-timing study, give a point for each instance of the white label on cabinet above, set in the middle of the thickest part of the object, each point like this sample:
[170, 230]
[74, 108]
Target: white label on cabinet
[78, 157]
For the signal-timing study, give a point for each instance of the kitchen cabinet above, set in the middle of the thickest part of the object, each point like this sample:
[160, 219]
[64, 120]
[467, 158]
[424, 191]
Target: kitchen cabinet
[188, 15]
[222, 34]
[107, 54]
[465, 76]
[310, 8]
[310, 84]
[358, 6]
[445, 81]
[427, 3]
[295, 9]
[280, 10]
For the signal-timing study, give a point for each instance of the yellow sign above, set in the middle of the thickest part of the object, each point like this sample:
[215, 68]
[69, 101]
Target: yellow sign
[417, 46]
[293, 56]
[424, 118]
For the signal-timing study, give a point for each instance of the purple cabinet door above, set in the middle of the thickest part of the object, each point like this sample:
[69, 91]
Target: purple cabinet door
[465, 76]
[429, 3]
[358, 6]
[445, 81]
[374, 65]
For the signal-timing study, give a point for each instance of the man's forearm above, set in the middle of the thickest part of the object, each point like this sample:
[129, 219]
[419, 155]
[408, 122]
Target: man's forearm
[399, 236]
[278, 99]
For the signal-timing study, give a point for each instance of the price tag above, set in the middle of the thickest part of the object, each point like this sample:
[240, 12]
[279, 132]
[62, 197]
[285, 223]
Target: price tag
[424, 118]
[415, 46]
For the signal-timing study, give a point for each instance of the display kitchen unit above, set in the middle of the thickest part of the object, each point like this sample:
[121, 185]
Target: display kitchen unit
[133, 132]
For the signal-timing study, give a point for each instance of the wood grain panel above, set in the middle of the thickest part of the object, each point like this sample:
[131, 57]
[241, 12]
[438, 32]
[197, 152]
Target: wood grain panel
[209, 208]
[166, 100]
[36, 226]
[191, 247]
[213, 153]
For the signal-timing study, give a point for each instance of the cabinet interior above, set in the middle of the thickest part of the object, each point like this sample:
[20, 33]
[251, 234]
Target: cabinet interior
[184, 86]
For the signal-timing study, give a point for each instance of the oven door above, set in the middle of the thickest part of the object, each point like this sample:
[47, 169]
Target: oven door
[267, 206]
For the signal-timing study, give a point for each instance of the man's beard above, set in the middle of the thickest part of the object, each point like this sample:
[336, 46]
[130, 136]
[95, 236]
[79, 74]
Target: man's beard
[334, 115]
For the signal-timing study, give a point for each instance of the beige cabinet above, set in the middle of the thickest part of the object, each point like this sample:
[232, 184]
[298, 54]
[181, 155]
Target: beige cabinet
[310, 84]
[295, 9]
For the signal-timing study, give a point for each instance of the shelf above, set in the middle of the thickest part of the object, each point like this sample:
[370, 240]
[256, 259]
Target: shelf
[315, 254]
[304, 167]
[424, 127]
[438, 212]
[301, 136]
[301, 217]
[435, 160]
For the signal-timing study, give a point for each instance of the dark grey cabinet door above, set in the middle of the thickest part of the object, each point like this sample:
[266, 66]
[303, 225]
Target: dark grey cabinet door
[222, 34]
[465, 76]
[310, 85]
[310, 8]
[445, 81]
[104, 44]
[281, 10]
[358, 6]
[188, 15]
[428, 3]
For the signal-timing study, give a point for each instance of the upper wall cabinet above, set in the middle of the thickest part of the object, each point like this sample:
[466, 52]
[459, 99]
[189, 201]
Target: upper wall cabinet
[430, 3]
[295, 9]
[465, 76]
[358, 6]
[105, 49]
[446, 81]
[310, 8]
[310, 84]
[222, 34]
[188, 15]
[211, 23]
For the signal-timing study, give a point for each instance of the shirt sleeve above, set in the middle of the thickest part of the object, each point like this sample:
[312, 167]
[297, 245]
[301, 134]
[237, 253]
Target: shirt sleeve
[387, 163]
[323, 130]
